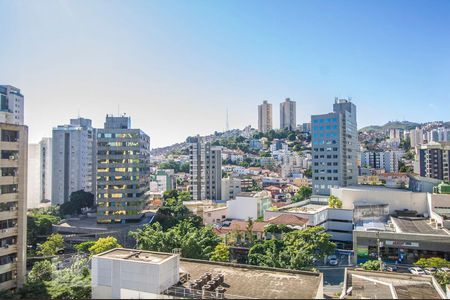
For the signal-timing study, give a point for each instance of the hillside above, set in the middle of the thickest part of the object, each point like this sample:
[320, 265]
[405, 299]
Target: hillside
[405, 125]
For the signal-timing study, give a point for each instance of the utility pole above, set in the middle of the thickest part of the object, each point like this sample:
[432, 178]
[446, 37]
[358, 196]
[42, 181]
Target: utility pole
[378, 250]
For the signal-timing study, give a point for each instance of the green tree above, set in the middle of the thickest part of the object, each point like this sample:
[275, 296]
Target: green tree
[84, 246]
[221, 253]
[308, 173]
[303, 193]
[39, 225]
[78, 200]
[104, 244]
[250, 237]
[54, 243]
[334, 202]
[292, 136]
[403, 168]
[371, 265]
[433, 262]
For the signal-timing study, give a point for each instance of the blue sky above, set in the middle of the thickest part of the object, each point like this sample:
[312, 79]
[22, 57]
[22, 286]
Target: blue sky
[175, 66]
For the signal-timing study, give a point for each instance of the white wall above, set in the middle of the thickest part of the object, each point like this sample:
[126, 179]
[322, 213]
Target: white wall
[33, 174]
[242, 208]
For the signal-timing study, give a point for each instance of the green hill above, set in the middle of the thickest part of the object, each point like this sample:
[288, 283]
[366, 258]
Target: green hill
[405, 125]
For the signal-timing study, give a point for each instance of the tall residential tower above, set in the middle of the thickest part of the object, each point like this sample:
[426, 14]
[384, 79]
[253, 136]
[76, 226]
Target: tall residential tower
[288, 118]
[265, 117]
[334, 148]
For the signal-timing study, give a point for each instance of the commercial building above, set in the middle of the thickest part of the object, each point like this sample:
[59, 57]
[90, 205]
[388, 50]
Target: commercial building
[434, 160]
[361, 284]
[73, 159]
[265, 117]
[205, 170]
[123, 171]
[11, 105]
[231, 187]
[334, 148]
[39, 173]
[129, 273]
[249, 205]
[13, 189]
[288, 115]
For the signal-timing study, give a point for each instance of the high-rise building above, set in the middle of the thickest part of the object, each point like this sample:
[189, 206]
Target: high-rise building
[205, 170]
[231, 187]
[434, 160]
[123, 171]
[11, 105]
[416, 137]
[166, 180]
[73, 159]
[288, 115]
[264, 117]
[13, 189]
[39, 173]
[334, 148]
[387, 160]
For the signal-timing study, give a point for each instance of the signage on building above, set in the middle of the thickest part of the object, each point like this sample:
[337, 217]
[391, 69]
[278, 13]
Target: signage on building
[402, 244]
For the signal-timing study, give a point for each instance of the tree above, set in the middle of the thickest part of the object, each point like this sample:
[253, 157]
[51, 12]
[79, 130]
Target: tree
[39, 225]
[78, 200]
[54, 243]
[433, 262]
[303, 193]
[292, 136]
[403, 168]
[84, 246]
[249, 232]
[371, 265]
[104, 244]
[308, 173]
[221, 253]
[334, 202]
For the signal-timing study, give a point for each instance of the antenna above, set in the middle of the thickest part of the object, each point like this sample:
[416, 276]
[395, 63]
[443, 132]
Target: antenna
[227, 124]
[118, 110]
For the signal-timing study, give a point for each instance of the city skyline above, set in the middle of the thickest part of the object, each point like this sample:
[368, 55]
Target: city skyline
[161, 64]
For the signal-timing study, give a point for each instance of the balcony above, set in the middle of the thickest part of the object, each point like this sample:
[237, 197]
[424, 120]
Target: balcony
[9, 163]
[7, 267]
[8, 214]
[8, 285]
[9, 197]
[8, 250]
[8, 179]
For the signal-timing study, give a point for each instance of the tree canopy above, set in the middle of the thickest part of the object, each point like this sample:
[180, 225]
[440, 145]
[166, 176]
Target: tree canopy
[334, 202]
[303, 193]
[78, 200]
[221, 253]
[104, 244]
[51, 246]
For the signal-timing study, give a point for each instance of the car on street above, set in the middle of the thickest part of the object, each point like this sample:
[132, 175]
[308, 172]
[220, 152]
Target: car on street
[430, 271]
[332, 260]
[390, 268]
[416, 271]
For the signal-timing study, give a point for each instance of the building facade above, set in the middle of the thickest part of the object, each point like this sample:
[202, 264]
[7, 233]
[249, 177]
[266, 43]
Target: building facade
[39, 173]
[265, 117]
[434, 160]
[387, 160]
[288, 115]
[231, 187]
[11, 105]
[73, 159]
[123, 171]
[205, 170]
[13, 204]
[335, 148]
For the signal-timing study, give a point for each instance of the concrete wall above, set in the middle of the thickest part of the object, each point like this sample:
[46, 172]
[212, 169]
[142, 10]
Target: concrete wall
[243, 208]
[397, 199]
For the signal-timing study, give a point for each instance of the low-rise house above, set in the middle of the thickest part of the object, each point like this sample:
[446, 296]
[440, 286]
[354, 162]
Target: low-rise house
[249, 205]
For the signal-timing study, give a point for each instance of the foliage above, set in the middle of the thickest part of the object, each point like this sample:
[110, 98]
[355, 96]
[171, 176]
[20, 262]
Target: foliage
[39, 224]
[78, 200]
[194, 242]
[297, 250]
[250, 237]
[104, 244]
[54, 243]
[221, 253]
[371, 265]
[334, 202]
[433, 262]
[277, 229]
[308, 173]
[42, 270]
[403, 168]
[175, 165]
[84, 246]
[173, 211]
[303, 193]
[443, 278]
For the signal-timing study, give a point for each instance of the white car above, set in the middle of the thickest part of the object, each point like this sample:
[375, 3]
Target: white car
[416, 271]
[430, 271]
[332, 260]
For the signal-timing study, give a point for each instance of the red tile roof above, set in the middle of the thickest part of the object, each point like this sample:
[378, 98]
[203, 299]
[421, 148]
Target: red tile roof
[287, 219]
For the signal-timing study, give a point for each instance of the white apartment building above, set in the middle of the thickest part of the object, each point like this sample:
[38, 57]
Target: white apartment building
[231, 187]
[205, 170]
[39, 173]
[73, 159]
[249, 205]
[387, 160]
[288, 115]
[265, 117]
[416, 137]
[11, 105]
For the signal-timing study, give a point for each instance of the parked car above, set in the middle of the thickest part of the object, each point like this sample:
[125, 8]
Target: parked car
[390, 268]
[332, 260]
[430, 271]
[445, 269]
[416, 271]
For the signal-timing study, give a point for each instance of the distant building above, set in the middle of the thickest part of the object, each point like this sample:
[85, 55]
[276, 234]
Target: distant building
[387, 160]
[231, 187]
[416, 137]
[288, 115]
[265, 117]
[166, 180]
[335, 148]
[73, 159]
[39, 175]
[255, 144]
[249, 205]
[123, 171]
[11, 105]
[306, 127]
[434, 160]
[205, 170]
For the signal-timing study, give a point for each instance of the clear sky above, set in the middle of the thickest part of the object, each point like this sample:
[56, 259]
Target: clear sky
[175, 66]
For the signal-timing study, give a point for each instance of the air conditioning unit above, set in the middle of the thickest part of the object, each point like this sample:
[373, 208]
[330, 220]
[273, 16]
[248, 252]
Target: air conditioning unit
[12, 157]
[6, 246]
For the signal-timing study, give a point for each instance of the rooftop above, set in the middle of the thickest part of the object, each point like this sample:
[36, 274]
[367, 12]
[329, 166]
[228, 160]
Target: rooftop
[309, 208]
[416, 225]
[384, 285]
[136, 255]
[242, 281]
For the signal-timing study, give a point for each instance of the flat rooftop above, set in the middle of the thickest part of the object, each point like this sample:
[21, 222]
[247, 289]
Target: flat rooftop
[387, 285]
[243, 281]
[308, 208]
[416, 225]
[136, 255]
